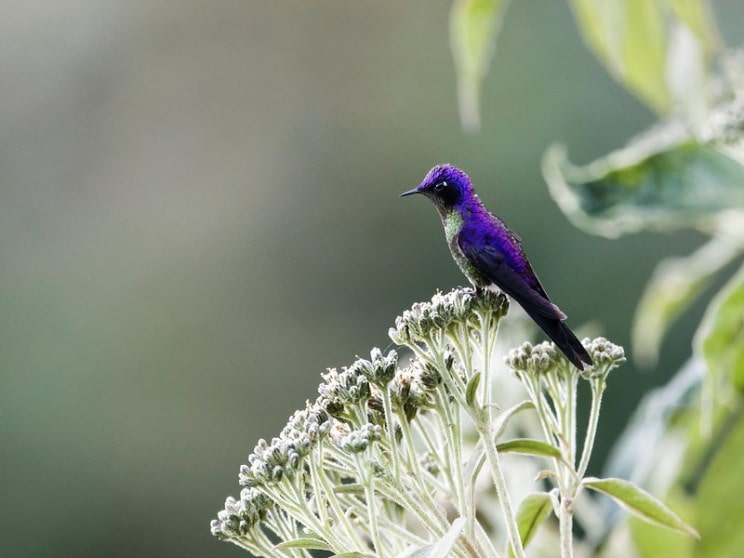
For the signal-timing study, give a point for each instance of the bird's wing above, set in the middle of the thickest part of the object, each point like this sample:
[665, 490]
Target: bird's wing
[490, 263]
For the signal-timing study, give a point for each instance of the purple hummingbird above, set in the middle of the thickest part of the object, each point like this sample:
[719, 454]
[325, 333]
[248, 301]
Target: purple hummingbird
[490, 254]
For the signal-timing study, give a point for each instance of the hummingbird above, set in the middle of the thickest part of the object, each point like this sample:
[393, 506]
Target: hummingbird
[490, 255]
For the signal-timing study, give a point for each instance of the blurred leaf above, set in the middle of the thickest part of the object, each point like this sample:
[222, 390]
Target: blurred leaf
[696, 15]
[651, 542]
[640, 41]
[530, 447]
[533, 510]
[629, 37]
[474, 25]
[688, 78]
[675, 284]
[309, 543]
[720, 338]
[599, 25]
[639, 502]
[645, 185]
[644, 53]
[635, 455]
[719, 501]
[352, 555]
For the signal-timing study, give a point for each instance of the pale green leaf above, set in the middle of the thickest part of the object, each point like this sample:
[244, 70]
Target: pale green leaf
[478, 455]
[474, 25]
[639, 502]
[352, 555]
[309, 543]
[720, 338]
[422, 552]
[675, 284]
[502, 420]
[652, 183]
[349, 488]
[443, 547]
[530, 447]
[533, 510]
[472, 388]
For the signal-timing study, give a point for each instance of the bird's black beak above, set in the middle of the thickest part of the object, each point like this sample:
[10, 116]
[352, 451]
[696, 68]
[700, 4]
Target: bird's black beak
[410, 193]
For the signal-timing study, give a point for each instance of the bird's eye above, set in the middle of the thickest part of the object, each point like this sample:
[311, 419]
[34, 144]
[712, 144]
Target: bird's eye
[440, 186]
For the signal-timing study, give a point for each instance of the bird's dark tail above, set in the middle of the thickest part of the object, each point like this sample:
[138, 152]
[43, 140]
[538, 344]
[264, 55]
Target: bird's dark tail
[560, 334]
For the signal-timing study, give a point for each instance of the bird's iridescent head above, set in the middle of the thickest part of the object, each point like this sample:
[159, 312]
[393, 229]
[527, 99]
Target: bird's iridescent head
[445, 185]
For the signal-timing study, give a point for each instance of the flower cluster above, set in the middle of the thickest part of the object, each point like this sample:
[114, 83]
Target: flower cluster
[357, 407]
[457, 308]
[385, 461]
[377, 424]
[534, 359]
[538, 359]
[241, 516]
[282, 457]
[606, 357]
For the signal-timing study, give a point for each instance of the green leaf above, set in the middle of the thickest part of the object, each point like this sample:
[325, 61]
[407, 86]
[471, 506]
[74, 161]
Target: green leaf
[533, 510]
[654, 182]
[530, 447]
[720, 338]
[598, 25]
[675, 284]
[644, 53]
[474, 25]
[472, 388]
[309, 543]
[639, 502]
[719, 499]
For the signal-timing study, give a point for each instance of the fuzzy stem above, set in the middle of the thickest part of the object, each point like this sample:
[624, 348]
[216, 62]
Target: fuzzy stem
[485, 430]
[415, 469]
[390, 429]
[369, 492]
[318, 473]
[598, 387]
[566, 527]
[485, 327]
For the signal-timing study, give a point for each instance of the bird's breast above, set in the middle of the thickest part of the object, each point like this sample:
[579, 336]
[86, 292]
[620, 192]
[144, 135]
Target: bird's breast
[452, 222]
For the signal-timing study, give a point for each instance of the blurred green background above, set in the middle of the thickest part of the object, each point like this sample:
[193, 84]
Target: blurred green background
[199, 214]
